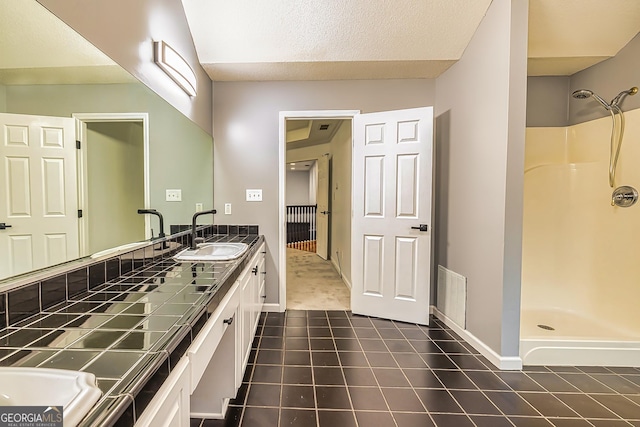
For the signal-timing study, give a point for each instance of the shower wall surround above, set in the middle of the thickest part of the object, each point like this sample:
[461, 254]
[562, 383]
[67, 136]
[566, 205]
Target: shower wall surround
[580, 254]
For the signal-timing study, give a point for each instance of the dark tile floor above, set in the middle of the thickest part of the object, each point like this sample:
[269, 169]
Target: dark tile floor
[335, 369]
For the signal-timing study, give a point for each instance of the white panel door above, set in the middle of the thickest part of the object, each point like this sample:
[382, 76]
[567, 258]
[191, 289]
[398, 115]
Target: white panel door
[38, 193]
[392, 189]
[322, 215]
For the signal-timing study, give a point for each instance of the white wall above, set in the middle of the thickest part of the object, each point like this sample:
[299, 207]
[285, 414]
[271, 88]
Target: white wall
[246, 140]
[480, 109]
[297, 191]
[340, 246]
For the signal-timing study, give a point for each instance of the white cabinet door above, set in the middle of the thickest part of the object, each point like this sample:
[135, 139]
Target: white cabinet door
[170, 406]
[208, 340]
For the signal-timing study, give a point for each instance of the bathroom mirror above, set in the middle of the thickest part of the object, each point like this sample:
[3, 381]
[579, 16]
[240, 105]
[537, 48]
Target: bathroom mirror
[56, 88]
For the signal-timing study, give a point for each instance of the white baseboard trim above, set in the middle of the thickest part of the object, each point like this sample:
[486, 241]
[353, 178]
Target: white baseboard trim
[510, 363]
[272, 308]
[337, 268]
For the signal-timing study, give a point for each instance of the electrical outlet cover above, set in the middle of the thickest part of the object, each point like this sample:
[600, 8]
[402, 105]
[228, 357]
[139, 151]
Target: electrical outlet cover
[254, 195]
[173, 195]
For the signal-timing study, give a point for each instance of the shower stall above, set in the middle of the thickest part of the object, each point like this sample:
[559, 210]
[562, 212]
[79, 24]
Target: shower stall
[581, 241]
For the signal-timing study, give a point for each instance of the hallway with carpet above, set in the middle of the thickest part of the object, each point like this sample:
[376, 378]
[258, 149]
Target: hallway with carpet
[313, 283]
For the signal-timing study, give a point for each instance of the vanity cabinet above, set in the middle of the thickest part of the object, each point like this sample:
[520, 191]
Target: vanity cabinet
[170, 406]
[252, 283]
[211, 371]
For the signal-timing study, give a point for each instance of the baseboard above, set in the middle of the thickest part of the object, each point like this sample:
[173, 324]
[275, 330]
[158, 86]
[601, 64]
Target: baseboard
[505, 363]
[272, 308]
[342, 276]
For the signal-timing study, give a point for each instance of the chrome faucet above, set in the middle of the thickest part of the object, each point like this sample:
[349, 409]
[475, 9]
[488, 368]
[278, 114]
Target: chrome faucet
[159, 215]
[193, 226]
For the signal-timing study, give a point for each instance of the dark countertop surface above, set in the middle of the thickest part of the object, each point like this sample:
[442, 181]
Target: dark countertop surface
[127, 329]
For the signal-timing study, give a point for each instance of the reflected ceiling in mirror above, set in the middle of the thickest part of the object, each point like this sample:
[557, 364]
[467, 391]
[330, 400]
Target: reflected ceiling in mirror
[58, 55]
[48, 69]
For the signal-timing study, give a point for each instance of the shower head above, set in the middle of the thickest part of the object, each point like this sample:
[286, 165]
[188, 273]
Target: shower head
[615, 101]
[586, 93]
[582, 94]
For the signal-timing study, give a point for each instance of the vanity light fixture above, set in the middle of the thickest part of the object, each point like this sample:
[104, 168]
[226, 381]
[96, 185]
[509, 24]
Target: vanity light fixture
[175, 66]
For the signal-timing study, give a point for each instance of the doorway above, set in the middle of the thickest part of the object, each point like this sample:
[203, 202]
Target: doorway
[113, 170]
[318, 277]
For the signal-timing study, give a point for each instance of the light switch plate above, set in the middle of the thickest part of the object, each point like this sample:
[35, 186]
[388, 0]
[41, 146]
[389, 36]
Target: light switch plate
[227, 208]
[173, 195]
[254, 195]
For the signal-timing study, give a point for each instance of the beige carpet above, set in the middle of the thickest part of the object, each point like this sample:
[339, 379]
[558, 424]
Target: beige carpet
[313, 283]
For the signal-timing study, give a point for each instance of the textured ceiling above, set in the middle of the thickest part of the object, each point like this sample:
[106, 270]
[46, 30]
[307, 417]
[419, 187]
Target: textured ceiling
[363, 39]
[331, 39]
[38, 48]
[566, 36]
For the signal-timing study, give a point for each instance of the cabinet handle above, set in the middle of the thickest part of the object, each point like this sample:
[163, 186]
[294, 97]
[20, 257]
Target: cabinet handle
[255, 270]
[264, 296]
[228, 321]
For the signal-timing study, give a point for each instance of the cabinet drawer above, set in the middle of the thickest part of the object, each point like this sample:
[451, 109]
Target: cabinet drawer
[205, 344]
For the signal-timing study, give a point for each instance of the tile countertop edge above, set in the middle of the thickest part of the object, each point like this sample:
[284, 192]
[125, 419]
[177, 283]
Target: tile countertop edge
[111, 408]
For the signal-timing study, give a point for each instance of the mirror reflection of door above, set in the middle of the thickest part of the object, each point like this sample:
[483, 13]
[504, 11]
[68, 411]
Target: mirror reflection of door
[38, 195]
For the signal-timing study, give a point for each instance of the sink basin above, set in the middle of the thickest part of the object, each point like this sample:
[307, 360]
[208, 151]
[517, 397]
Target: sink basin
[75, 391]
[213, 252]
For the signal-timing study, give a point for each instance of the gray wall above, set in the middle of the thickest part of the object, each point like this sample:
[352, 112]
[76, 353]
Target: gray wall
[548, 101]
[115, 178]
[480, 109]
[125, 29]
[607, 79]
[180, 152]
[246, 118]
[297, 189]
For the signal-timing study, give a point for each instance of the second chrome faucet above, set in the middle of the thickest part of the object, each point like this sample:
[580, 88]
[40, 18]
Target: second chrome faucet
[194, 225]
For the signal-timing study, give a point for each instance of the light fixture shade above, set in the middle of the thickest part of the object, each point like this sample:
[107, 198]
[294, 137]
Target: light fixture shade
[175, 66]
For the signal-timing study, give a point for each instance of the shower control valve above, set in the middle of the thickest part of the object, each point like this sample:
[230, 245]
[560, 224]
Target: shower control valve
[624, 196]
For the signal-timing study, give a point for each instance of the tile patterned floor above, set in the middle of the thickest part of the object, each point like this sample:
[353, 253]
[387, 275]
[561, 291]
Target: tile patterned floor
[336, 369]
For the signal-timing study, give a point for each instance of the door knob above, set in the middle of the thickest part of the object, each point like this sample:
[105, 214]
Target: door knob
[4, 226]
[423, 227]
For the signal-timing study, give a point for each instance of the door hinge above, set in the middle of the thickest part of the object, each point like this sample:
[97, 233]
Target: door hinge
[79, 213]
[78, 144]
